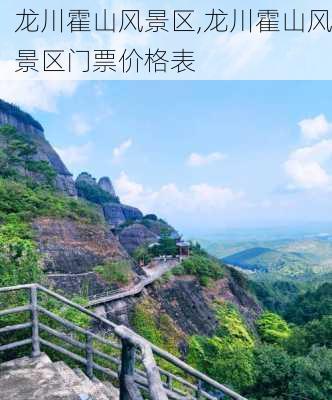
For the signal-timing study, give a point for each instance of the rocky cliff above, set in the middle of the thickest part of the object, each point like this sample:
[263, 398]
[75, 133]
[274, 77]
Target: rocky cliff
[71, 248]
[75, 247]
[131, 226]
[26, 125]
[182, 307]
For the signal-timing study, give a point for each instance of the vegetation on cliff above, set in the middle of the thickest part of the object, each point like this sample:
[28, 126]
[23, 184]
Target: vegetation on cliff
[17, 154]
[115, 272]
[205, 268]
[16, 112]
[228, 355]
[156, 326]
[92, 192]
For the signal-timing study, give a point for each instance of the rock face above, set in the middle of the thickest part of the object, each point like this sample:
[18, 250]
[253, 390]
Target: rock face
[158, 227]
[106, 184]
[38, 378]
[188, 304]
[184, 300]
[86, 284]
[113, 214]
[117, 214]
[103, 193]
[30, 128]
[26, 125]
[135, 235]
[75, 248]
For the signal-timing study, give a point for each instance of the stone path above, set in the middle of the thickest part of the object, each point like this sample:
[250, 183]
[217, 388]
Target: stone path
[155, 271]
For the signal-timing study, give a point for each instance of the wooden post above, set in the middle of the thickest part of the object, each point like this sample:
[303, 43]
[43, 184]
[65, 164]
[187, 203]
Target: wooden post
[127, 368]
[199, 389]
[89, 355]
[34, 321]
[169, 382]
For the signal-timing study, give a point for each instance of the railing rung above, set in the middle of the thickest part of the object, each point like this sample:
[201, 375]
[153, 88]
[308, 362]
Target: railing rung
[107, 342]
[149, 379]
[106, 371]
[106, 357]
[72, 326]
[62, 336]
[15, 344]
[16, 288]
[76, 306]
[15, 310]
[17, 327]
[64, 351]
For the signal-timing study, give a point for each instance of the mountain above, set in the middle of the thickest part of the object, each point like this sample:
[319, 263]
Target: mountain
[79, 238]
[83, 225]
[33, 131]
[262, 259]
[299, 256]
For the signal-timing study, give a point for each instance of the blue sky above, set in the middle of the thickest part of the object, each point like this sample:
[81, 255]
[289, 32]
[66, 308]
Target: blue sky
[204, 155]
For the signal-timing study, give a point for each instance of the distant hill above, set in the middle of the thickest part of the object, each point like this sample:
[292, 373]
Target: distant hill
[305, 257]
[262, 259]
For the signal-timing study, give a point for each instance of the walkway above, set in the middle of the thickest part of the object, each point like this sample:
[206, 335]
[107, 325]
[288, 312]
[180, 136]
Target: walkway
[154, 271]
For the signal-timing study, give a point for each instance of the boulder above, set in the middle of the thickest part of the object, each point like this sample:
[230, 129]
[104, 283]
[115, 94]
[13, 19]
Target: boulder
[136, 235]
[113, 214]
[106, 184]
[117, 214]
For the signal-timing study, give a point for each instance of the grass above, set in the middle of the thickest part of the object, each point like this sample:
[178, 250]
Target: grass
[114, 272]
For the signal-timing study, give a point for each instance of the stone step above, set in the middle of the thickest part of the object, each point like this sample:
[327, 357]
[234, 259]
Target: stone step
[106, 387]
[39, 378]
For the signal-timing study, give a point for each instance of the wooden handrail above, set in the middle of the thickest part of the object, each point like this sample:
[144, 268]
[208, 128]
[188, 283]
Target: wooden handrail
[157, 389]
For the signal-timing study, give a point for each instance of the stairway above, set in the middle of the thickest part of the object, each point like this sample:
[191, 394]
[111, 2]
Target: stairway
[41, 379]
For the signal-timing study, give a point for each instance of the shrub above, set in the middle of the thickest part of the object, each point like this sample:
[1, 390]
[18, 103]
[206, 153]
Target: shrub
[142, 253]
[201, 266]
[94, 193]
[17, 198]
[272, 328]
[115, 272]
[226, 360]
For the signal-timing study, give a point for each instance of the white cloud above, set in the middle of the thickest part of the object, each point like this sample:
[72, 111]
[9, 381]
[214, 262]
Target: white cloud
[198, 160]
[315, 128]
[80, 125]
[118, 152]
[75, 155]
[169, 199]
[36, 95]
[305, 166]
[239, 50]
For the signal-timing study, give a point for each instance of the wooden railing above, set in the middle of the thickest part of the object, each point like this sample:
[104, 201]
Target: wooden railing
[135, 370]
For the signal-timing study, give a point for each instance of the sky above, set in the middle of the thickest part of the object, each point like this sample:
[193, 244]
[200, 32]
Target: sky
[205, 156]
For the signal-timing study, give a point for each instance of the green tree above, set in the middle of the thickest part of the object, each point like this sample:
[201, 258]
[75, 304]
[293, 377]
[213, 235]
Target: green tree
[312, 376]
[43, 168]
[272, 328]
[316, 332]
[228, 355]
[19, 260]
[142, 253]
[311, 305]
[273, 370]
[205, 268]
[227, 360]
